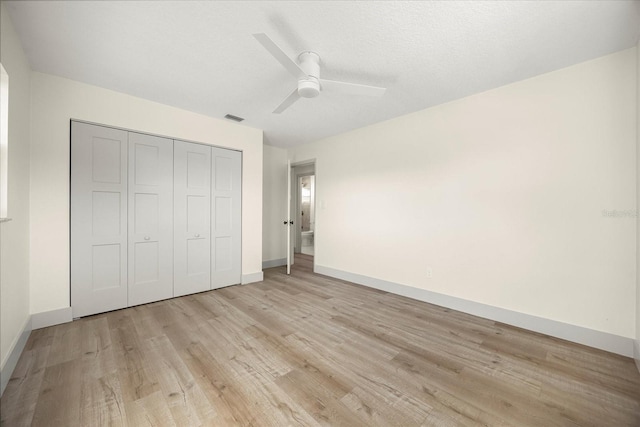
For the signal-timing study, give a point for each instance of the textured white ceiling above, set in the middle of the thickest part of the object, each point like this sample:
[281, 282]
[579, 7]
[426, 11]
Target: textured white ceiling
[201, 56]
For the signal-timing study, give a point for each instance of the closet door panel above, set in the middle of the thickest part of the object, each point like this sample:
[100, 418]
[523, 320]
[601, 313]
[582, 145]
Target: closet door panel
[197, 213]
[198, 258]
[98, 219]
[150, 218]
[192, 228]
[226, 205]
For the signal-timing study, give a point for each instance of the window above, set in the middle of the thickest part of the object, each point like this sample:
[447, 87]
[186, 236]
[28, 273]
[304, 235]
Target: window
[4, 143]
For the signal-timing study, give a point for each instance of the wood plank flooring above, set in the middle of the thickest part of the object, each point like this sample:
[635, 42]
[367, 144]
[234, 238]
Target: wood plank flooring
[310, 350]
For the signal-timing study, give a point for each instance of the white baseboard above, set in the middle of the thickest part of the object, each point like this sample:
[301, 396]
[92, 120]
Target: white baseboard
[50, 318]
[274, 263]
[578, 334]
[636, 354]
[252, 277]
[11, 360]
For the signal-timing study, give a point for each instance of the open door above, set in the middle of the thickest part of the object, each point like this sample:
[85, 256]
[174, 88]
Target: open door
[288, 222]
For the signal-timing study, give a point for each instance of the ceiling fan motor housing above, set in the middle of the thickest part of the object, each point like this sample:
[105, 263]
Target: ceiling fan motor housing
[309, 87]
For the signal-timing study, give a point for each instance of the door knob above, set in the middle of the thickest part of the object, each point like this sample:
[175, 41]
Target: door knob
[197, 235]
[147, 237]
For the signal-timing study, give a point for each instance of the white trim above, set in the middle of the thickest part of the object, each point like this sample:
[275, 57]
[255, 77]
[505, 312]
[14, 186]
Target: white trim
[274, 263]
[50, 318]
[4, 144]
[10, 362]
[155, 134]
[252, 277]
[578, 334]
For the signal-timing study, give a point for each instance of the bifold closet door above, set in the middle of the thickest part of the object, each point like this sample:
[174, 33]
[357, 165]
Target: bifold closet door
[226, 202]
[192, 218]
[98, 219]
[150, 218]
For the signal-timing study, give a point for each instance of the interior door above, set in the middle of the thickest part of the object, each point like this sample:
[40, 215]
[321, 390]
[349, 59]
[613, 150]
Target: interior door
[98, 219]
[287, 222]
[226, 202]
[192, 218]
[150, 218]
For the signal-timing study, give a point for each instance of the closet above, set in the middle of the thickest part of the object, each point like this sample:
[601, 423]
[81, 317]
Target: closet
[151, 218]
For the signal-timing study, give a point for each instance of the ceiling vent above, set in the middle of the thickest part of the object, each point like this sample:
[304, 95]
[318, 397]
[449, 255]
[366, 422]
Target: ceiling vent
[234, 118]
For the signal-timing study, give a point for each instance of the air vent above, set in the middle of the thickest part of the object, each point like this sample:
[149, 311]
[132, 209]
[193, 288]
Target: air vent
[234, 118]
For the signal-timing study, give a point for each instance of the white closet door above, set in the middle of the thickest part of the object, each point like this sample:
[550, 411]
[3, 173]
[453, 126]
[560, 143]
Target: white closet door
[150, 218]
[226, 202]
[192, 218]
[98, 219]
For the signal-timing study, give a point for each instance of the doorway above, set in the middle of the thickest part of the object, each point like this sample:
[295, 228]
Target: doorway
[302, 202]
[306, 214]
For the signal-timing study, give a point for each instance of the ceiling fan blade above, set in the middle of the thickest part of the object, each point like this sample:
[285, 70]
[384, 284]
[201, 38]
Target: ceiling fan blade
[288, 101]
[351, 88]
[279, 54]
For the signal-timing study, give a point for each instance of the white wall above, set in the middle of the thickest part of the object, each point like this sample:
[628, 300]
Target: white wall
[274, 242]
[54, 102]
[500, 195]
[14, 235]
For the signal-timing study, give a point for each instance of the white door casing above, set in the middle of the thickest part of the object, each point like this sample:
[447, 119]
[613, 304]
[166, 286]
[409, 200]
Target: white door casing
[150, 218]
[98, 219]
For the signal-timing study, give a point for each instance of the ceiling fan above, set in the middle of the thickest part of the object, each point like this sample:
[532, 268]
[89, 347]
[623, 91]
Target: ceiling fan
[308, 74]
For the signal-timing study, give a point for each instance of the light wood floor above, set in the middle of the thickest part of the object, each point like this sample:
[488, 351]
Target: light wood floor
[310, 350]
